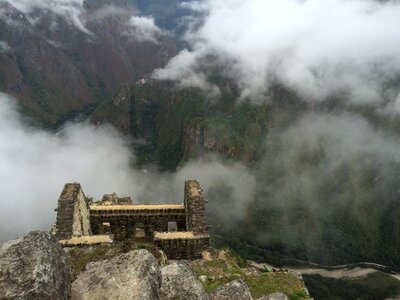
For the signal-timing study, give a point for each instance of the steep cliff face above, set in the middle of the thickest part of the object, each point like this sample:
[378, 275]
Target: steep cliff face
[57, 69]
[198, 140]
[174, 124]
[48, 83]
[221, 137]
[155, 114]
[116, 111]
[293, 187]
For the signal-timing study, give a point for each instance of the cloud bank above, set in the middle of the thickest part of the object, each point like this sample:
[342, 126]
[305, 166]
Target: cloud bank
[145, 29]
[316, 47]
[35, 165]
[71, 10]
[4, 46]
[141, 28]
[325, 187]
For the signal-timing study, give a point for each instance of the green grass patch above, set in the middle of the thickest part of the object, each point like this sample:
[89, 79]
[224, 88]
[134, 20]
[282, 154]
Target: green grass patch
[80, 257]
[267, 283]
[229, 267]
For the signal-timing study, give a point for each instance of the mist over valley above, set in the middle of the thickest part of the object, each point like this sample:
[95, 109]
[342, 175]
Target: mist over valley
[287, 112]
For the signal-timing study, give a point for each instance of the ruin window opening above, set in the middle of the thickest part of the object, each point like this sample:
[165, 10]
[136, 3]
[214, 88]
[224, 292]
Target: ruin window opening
[139, 230]
[172, 226]
[106, 228]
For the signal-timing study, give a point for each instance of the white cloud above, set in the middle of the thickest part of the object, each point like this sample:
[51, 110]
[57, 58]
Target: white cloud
[185, 68]
[397, 104]
[70, 9]
[324, 165]
[4, 46]
[145, 30]
[34, 165]
[317, 47]
[141, 28]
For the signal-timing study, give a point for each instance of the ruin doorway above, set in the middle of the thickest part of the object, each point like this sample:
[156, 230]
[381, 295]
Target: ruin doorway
[139, 232]
[172, 226]
[105, 228]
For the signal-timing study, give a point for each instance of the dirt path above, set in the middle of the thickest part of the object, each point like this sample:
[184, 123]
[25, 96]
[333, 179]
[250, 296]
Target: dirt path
[342, 271]
[338, 273]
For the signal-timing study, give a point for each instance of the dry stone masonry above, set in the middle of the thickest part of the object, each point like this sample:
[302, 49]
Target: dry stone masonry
[182, 245]
[180, 230]
[72, 213]
[138, 221]
[195, 206]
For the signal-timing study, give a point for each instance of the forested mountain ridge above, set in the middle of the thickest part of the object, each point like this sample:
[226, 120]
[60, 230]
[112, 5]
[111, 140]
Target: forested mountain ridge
[300, 206]
[326, 172]
[57, 69]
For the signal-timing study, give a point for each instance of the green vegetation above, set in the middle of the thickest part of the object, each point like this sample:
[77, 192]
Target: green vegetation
[224, 267]
[78, 258]
[49, 103]
[267, 283]
[162, 116]
[240, 132]
[303, 206]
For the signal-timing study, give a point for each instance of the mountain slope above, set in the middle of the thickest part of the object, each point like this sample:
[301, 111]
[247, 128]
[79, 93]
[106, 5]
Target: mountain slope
[56, 69]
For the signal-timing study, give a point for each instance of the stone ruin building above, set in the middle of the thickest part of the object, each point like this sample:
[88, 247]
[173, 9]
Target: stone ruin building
[180, 230]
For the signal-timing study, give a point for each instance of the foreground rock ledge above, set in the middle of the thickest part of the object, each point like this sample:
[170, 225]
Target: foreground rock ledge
[34, 267]
[135, 275]
[234, 290]
[180, 283]
[275, 296]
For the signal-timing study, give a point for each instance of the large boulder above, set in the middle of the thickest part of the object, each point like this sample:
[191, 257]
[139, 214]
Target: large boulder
[180, 283]
[34, 267]
[275, 296]
[234, 290]
[135, 275]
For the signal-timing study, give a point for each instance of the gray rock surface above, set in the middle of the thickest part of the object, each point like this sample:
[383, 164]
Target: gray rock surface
[180, 283]
[34, 267]
[135, 275]
[275, 296]
[234, 290]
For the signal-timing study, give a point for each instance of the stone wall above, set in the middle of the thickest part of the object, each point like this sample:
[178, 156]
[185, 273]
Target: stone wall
[187, 238]
[113, 199]
[196, 219]
[72, 213]
[184, 248]
[81, 225]
[123, 223]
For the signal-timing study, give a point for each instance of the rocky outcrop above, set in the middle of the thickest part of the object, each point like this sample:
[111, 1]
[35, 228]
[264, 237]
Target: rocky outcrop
[135, 275]
[179, 283]
[198, 141]
[275, 296]
[234, 290]
[116, 112]
[34, 267]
